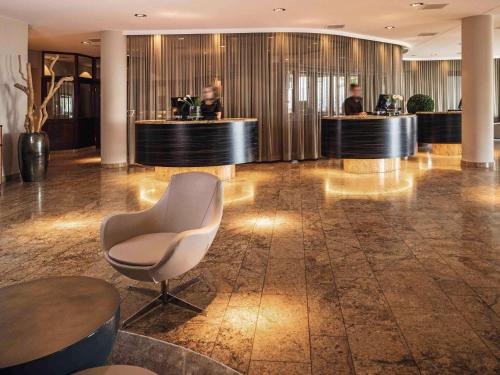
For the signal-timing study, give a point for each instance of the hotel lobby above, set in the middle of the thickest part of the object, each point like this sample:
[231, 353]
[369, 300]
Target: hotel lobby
[250, 188]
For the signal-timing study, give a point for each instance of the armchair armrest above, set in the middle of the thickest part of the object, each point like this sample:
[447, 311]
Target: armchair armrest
[120, 227]
[185, 251]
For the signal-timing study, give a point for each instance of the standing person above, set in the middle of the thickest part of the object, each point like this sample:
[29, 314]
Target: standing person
[353, 105]
[211, 107]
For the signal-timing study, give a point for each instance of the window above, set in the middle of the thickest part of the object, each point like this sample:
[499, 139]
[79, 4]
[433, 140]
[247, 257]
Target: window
[454, 91]
[65, 66]
[303, 88]
[290, 93]
[323, 93]
[341, 89]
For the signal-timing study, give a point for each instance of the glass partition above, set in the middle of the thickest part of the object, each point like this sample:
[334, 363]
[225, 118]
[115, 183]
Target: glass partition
[85, 67]
[61, 105]
[65, 66]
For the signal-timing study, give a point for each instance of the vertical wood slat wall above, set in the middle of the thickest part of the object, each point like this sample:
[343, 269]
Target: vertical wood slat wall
[287, 80]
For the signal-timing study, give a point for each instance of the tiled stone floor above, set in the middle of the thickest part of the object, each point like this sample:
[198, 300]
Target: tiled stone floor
[313, 271]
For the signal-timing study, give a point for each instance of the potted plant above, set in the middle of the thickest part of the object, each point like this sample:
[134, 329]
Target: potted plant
[33, 145]
[420, 103]
[394, 104]
[194, 105]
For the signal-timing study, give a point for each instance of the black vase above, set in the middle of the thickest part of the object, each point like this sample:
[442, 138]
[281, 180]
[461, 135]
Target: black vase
[33, 154]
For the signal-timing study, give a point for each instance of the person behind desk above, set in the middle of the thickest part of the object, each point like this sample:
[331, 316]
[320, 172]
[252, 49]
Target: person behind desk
[211, 108]
[353, 105]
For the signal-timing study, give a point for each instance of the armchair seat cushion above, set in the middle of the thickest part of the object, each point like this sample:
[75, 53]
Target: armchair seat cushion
[143, 250]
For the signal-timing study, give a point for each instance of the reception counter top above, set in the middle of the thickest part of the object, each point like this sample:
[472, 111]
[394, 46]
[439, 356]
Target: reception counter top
[196, 143]
[368, 137]
[195, 122]
[440, 127]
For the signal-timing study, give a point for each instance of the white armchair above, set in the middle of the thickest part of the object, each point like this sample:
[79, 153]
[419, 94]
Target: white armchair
[168, 239]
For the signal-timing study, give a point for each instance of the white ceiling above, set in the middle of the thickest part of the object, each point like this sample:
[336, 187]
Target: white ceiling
[62, 24]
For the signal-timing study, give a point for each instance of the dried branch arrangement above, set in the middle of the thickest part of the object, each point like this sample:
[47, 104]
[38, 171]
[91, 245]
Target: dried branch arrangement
[36, 116]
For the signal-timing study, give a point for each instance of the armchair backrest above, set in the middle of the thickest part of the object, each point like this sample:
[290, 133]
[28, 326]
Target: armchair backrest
[192, 200]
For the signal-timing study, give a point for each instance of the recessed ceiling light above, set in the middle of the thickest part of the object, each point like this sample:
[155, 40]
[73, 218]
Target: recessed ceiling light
[279, 9]
[86, 42]
[181, 38]
[416, 4]
[390, 27]
[140, 15]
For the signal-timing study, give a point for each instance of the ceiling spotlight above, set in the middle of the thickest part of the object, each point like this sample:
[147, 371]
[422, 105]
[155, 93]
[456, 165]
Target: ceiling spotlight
[279, 9]
[86, 42]
[416, 4]
[390, 27]
[181, 38]
[222, 46]
[140, 15]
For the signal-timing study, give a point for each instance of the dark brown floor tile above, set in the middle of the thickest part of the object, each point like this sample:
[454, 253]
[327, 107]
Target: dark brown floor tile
[446, 343]
[287, 247]
[380, 349]
[362, 301]
[278, 280]
[331, 355]
[325, 315]
[483, 320]
[282, 332]
[233, 346]
[279, 368]
[414, 291]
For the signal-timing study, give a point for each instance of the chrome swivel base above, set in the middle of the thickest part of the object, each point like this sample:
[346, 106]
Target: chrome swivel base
[162, 299]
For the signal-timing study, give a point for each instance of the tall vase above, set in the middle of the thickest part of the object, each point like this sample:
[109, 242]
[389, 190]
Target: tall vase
[33, 155]
[195, 112]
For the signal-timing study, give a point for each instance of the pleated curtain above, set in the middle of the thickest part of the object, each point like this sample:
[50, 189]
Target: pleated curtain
[288, 81]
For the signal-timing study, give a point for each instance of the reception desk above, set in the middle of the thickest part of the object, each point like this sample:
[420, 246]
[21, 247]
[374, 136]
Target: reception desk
[441, 129]
[369, 143]
[214, 146]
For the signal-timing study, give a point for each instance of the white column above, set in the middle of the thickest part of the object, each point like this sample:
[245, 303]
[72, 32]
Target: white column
[477, 91]
[13, 42]
[113, 99]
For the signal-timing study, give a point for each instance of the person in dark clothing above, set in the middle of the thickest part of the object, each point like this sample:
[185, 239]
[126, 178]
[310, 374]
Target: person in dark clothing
[353, 105]
[211, 107]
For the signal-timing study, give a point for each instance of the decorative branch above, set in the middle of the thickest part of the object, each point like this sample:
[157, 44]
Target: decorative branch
[37, 116]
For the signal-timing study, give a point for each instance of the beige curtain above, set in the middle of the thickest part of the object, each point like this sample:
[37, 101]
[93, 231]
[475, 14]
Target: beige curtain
[441, 79]
[287, 80]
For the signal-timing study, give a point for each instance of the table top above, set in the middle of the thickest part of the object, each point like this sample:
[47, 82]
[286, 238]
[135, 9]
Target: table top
[367, 117]
[41, 317]
[440, 113]
[116, 370]
[189, 122]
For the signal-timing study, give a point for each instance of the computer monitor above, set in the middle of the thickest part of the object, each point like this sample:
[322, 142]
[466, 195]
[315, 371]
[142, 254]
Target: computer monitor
[383, 103]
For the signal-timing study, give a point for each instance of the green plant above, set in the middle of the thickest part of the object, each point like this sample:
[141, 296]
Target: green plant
[420, 103]
[190, 101]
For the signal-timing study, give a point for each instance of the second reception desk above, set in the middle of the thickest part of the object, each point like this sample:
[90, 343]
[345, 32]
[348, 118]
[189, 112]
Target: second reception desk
[443, 130]
[214, 146]
[369, 143]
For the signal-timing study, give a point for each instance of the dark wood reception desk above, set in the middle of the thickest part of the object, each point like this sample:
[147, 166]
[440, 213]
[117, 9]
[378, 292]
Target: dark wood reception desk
[197, 144]
[441, 129]
[372, 143]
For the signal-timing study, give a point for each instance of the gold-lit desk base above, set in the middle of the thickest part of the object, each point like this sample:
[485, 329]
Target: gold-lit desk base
[447, 149]
[371, 165]
[224, 172]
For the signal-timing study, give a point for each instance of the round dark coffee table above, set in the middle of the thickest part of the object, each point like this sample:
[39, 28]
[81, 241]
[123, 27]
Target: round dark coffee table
[57, 325]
